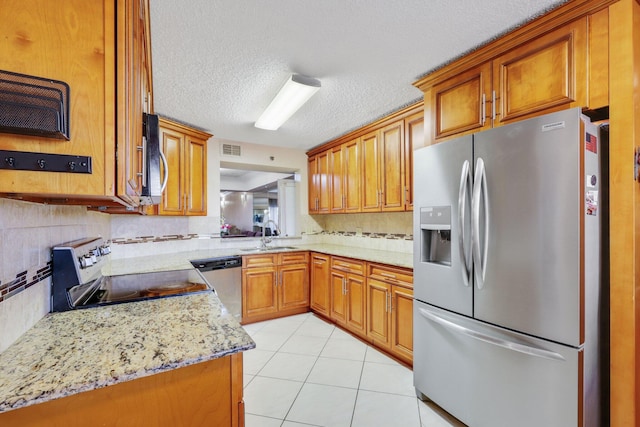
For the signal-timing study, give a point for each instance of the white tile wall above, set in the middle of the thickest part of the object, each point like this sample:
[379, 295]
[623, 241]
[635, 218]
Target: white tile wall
[27, 233]
[29, 230]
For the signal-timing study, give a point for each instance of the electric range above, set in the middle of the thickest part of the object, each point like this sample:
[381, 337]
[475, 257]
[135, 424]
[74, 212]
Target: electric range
[78, 282]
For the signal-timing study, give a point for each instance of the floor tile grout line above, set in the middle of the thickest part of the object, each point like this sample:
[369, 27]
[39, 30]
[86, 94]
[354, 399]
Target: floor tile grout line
[317, 355]
[305, 381]
[355, 402]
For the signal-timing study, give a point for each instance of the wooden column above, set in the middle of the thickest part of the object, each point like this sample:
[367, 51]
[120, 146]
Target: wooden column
[624, 101]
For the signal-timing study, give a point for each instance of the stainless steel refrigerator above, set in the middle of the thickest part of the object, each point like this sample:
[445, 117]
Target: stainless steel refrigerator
[507, 274]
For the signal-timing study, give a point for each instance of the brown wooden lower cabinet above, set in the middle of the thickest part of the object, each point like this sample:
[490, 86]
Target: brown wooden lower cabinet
[274, 285]
[204, 394]
[348, 294]
[390, 310]
[320, 291]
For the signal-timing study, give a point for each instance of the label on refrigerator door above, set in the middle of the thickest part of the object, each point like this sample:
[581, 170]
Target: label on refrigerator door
[553, 126]
[591, 142]
[592, 202]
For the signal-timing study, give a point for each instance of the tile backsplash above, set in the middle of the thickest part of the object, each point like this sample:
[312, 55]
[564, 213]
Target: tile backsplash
[29, 230]
[27, 233]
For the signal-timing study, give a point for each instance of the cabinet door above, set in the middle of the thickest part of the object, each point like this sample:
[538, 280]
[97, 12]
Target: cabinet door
[134, 89]
[356, 304]
[73, 41]
[320, 183]
[196, 176]
[337, 180]
[293, 287]
[338, 299]
[259, 295]
[324, 188]
[173, 197]
[544, 75]
[314, 183]
[352, 175]
[320, 290]
[413, 139]
[370, 173]
[402, 323]
[392, 167]
[459, 104]
[378, 318]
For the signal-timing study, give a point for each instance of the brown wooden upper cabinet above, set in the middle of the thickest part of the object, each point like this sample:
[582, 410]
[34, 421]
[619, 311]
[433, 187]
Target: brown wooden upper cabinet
[345, 167]
[319, 183]
[185, 149]
[104, 55]
[369, 170]
[413, 139]
[384, 166]
[545, 74]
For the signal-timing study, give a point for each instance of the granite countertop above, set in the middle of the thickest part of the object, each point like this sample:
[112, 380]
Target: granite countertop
[181, 260]
[81, 350]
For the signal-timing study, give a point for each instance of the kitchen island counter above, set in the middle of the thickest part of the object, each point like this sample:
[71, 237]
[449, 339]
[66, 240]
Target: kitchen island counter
[83, 350]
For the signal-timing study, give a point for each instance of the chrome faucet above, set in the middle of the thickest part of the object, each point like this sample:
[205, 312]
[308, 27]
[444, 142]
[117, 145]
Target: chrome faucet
[264, 239]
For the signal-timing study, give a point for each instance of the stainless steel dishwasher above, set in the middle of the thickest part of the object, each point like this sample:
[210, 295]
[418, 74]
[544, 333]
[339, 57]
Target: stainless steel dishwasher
[224, 275]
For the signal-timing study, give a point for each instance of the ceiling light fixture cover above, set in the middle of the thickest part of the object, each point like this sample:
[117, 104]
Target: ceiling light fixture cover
[295, 92]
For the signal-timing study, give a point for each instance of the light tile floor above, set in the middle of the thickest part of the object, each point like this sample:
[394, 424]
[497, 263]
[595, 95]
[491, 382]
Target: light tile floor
[305, 371]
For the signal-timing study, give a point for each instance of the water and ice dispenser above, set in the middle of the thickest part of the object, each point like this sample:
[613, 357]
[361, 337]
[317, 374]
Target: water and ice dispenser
[435, 234]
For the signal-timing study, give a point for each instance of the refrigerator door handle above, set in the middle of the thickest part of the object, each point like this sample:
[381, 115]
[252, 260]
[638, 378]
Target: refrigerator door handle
[509, 345]
[479, 259]
[465, 183]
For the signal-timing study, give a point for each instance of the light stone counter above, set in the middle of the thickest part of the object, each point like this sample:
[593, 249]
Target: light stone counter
[180, 260]
[82, 350]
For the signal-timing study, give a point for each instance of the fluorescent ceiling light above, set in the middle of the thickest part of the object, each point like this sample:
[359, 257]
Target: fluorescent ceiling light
[295, 92]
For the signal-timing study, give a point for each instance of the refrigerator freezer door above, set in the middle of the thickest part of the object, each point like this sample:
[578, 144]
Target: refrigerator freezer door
[534, 208]
[490, 377]
[441, 189]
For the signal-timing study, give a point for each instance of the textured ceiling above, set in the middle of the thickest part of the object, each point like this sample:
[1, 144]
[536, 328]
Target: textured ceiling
[218, 63]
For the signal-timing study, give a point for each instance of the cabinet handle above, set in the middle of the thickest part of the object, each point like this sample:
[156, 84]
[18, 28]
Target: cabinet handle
[386, 301]
[389, 275]
[493, 105]
[390, 302]
[406, 195]
[483, 105]
[344, 285]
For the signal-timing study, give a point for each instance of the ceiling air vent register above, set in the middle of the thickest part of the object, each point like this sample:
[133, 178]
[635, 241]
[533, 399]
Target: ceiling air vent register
[231, 150]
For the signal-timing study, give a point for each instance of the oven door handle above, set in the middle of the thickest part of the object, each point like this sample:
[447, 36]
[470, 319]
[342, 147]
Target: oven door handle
[166, 171]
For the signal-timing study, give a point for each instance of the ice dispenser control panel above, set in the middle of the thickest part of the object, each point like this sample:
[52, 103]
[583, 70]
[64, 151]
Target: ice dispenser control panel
[435, 234]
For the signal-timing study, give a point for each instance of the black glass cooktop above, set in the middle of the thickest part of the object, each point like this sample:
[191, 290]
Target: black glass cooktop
[134, 287]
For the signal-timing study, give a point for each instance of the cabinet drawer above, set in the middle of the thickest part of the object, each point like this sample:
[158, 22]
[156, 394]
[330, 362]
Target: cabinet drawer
[348, 265]
[263, 260]
[293, 258]
[390, 274]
